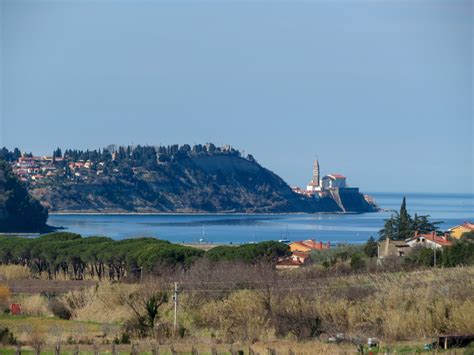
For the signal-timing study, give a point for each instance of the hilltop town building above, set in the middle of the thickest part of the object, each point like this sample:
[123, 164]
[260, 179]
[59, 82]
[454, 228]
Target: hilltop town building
[318, 186]
[333, 181]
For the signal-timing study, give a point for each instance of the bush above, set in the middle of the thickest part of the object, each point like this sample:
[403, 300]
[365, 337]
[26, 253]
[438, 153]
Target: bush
[357, 262]
[421, 256]
[7, 337]
[297, 316]
[59, 309]
[5, 295]
[371, 248]
[124, 339]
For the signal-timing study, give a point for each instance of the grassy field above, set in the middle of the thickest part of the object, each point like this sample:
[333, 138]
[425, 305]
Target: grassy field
[403, 309]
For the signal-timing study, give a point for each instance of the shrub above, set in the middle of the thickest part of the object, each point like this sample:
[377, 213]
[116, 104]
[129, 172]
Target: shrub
[297, 316]
[7, 337]
[59, 309]
[357, 262]
[124, 339]
[5, 295]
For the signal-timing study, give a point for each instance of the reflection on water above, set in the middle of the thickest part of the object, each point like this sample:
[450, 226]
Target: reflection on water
[351, 228]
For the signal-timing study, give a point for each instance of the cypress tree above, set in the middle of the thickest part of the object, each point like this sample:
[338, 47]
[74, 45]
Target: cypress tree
[405, 223]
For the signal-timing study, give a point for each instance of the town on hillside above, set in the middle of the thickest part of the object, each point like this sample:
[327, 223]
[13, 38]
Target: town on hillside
[80, 166]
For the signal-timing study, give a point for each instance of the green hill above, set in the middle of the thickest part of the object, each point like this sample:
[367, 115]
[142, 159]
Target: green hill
[147, 179]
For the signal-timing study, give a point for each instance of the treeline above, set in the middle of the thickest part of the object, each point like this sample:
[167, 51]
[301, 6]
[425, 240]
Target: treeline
[19, 212]
[71, 256]
[9, 156]
[139, 154]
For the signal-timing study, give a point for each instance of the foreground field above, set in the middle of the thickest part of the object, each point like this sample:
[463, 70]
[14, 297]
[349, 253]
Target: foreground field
[281, 347]
[246, 306]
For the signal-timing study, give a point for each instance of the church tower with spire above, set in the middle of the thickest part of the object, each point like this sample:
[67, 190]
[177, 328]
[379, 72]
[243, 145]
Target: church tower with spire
[314, 185]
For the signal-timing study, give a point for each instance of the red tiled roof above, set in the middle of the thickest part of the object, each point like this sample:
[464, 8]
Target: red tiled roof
[441, 240]
[468, 225]
[301, 254]
[289, 262]
[337, 176]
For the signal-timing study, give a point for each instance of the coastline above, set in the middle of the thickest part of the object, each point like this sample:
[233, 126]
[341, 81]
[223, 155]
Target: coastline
[79, 213]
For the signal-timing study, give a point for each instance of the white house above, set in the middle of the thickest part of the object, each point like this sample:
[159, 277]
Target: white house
[332, 181]
[431, 240]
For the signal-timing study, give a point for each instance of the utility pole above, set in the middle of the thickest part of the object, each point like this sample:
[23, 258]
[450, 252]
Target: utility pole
[175, 298]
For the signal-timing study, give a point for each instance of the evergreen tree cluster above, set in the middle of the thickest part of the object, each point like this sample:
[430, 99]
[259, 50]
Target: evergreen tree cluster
[69, 254]
[10, 156]
[19, 212]
[140, 155]
[401, 226]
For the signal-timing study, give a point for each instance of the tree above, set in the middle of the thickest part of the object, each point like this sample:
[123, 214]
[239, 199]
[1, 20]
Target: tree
[401, 226]
[145, 304]
[390, 228]
[422, 224]
[371, 248]
[405, 230]
[57, 153]
[19, 212]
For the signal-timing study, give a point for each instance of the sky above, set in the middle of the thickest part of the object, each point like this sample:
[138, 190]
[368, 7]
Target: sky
[380, 91]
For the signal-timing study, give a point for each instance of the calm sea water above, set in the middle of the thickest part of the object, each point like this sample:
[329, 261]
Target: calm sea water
[452, 209]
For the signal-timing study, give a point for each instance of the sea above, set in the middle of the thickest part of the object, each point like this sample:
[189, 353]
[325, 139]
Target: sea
[450, 209]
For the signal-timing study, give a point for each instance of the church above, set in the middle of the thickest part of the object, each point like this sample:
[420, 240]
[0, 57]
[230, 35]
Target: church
[328, 182]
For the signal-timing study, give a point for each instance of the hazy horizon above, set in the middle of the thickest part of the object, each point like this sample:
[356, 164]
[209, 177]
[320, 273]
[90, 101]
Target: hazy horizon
[380, 91]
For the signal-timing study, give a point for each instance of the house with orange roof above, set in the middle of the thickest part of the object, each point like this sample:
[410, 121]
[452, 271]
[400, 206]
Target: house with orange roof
[431, 240]
[308, 245]
[288, 263]
[457, 231]
[300, 256]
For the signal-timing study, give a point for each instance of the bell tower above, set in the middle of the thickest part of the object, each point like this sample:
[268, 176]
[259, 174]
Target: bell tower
[315, 179]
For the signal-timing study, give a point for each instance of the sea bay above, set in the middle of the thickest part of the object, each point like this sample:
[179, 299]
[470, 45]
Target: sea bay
[451, 209]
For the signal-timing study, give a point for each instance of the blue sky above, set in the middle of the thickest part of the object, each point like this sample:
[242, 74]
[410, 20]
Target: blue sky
[381, 91]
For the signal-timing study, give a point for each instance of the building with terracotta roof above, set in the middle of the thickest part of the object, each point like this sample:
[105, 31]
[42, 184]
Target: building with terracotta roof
[431, 240]
[288, 263]
[307, 245]
[457, 231]
[300, 256]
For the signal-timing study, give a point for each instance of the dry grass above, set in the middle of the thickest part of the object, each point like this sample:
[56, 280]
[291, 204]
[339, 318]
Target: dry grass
[144, 347]
[35, 305]
[393, 307]
[103, 304]
[50, 329]
[14, 272]
[398, 306]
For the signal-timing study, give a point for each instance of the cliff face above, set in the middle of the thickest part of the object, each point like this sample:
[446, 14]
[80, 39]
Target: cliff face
[351, 200]
[217, 183]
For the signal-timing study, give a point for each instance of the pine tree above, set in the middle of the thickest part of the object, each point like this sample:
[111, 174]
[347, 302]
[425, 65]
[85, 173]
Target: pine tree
[390, 228]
